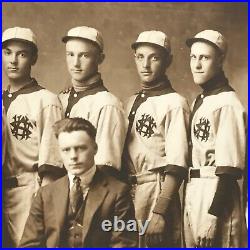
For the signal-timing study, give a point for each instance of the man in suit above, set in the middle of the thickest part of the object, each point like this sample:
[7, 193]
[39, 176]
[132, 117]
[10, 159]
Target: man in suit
[71, 211]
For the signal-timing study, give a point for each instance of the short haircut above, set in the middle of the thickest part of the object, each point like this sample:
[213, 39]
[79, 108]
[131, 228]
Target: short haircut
[74, 124]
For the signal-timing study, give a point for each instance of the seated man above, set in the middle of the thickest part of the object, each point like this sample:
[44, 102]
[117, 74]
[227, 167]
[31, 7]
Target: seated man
[71, 211]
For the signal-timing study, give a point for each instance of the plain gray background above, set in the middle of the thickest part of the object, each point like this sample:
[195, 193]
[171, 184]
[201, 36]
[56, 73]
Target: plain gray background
[120, 24]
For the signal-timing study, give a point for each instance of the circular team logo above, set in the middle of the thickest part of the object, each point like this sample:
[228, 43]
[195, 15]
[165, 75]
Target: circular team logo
[21, 127]
[202, 129]
[145, 125]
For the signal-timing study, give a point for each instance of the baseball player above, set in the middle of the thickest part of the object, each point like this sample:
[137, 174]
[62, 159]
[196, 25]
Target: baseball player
[31, 111]
[213, 215]
[3, 133]
[89, 99]
[156, 147]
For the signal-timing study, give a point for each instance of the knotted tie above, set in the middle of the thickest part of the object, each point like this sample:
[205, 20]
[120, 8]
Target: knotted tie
[76, 196]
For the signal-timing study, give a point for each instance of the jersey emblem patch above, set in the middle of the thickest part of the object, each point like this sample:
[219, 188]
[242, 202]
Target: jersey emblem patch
[21, 127]
[201, 129]
[145, 126]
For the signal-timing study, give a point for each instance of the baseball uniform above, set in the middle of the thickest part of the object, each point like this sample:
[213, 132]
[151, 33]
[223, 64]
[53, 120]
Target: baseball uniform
[157, 145]
[105, 112]
[31, 149]
[218, 135]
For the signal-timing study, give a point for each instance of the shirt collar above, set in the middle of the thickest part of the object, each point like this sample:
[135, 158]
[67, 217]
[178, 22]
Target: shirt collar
[216, 85]
[86, 178]
[96, 78]
[27, 86]
[162, 87]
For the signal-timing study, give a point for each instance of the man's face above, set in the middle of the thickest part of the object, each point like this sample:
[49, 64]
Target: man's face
[205, 62]
[82, 58]
[77, 150]
[17, 60]
[150, 62]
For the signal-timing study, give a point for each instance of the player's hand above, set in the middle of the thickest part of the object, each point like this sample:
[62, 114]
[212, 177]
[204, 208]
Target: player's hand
[207, 231]
[155, 230]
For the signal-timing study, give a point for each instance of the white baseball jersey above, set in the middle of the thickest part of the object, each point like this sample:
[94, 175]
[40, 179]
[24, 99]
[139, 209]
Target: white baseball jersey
[31, 113]
[31, 147]
[156, 143]
[159, 133]
[218, 134]
[106, 113]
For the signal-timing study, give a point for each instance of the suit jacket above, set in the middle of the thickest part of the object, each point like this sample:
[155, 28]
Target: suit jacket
[107, 197]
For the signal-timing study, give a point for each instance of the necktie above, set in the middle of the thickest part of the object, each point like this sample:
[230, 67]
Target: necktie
[76, 195]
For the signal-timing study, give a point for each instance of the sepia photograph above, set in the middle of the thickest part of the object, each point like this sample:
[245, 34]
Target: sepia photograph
[124, 124]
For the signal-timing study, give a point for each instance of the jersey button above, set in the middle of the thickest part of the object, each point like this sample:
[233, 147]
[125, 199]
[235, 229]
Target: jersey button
[75, 95]
[142, 95]
[67, 115]
[9, 95]
[133, 112]
[202, 96]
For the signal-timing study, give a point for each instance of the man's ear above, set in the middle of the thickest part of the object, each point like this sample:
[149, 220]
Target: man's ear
[34, 59]
[101, 58]
[221, 60]
[96, 147]
[169, 60]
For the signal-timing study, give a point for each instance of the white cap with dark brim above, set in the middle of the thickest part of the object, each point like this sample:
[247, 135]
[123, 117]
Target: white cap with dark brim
[87, 33]
[153, 37]
[212, 37]
[20, 34]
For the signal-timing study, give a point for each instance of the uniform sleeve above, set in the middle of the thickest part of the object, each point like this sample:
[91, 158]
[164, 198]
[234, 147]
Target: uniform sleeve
[177, 152]
[176, 145]
[33, 235]
[230, 142]
[110, 137]
[49, 157]
[229, 156]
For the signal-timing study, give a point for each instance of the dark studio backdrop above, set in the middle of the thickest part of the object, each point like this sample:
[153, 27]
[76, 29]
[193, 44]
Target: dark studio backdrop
[120, 24]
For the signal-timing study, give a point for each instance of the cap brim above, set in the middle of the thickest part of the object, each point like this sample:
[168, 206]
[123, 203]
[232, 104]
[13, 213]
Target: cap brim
[67, 38]
[191, 41]
[21, 40]
[136, 44]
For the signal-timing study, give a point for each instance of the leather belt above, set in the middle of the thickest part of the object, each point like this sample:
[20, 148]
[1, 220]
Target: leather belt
[144, 178]
[10, 182]
[23, 179]
[194, 173]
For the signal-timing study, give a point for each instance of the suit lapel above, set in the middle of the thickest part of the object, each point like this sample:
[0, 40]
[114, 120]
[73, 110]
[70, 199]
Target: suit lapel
[60, 203]
[96, 195]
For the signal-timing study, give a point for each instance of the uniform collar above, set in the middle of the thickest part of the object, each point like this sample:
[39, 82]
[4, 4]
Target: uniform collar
[8, 97]
[216, 85]
[162, 87]
[90, 83]
[25, 88]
